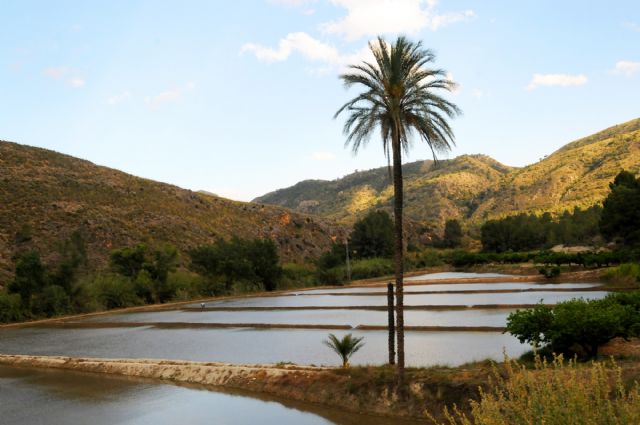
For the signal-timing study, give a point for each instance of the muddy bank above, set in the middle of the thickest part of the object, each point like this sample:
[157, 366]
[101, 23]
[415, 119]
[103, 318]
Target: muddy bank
[358, 390]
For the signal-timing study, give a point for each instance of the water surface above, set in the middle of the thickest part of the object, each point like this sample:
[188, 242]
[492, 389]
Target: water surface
[410, 299]
[246, 345]
[54, 397]
[442, 287]
[490, 317]
[455, 275]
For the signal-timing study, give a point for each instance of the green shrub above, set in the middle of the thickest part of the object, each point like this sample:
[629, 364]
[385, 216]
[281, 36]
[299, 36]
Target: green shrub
[52, 301]
[297, 276]
[332, 276]
[372, 236]
[11, 308]
[578, 326]
[186, 285]
[549, 272]
[428, 258]
[371, 267]
[628, 272]
[238, 260]
[114, 291]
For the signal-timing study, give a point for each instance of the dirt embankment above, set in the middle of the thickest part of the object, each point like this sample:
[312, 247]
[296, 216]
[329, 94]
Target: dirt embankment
[359, 389]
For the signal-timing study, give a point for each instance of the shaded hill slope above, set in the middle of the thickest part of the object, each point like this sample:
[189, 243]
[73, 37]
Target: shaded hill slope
[48, 196]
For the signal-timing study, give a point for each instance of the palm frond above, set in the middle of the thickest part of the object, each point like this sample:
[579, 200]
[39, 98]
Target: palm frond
[400, 99]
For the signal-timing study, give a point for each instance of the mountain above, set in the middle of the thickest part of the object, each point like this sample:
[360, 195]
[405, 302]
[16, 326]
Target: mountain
[46, 196]
[476, 187]
[433, 191]
[576, 175]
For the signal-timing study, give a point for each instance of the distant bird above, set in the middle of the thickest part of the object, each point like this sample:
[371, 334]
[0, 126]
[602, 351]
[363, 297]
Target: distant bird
[202, 306]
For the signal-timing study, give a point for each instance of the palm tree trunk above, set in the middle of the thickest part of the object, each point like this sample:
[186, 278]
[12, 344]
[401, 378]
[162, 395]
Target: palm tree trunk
[392, 324]
[399, 248]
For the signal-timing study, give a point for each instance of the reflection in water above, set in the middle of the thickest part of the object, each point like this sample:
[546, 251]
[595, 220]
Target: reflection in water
[40, 396]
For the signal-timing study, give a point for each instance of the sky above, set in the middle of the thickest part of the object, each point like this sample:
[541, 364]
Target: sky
[238, 97]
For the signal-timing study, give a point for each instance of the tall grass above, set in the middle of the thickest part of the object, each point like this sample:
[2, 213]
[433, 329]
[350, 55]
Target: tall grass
[624, 273]
[556, 393]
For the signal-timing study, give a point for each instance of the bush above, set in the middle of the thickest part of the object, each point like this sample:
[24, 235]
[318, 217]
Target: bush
[578, 326]
[11, 308]
[297, 276]
[452, 234]
[557, 394]
[114, 291]
[52, 301]
[372, 267]
[332, 276]
[549, 272]
[628, 272]
[186, 285]
[428, 258]
[238, 260]
[372, 236]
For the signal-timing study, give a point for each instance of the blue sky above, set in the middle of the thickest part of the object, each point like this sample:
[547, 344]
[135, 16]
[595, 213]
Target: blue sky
[237, 98]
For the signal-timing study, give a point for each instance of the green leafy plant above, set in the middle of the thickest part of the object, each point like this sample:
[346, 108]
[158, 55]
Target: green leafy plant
[345, 347]
[578, 326]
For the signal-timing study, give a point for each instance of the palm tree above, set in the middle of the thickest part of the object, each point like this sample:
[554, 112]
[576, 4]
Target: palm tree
[345, 347]
[399, 100]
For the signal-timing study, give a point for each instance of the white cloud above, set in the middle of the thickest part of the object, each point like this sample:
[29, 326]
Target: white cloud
[374, 17]
[627, 68]
[299, 42]
[632, 26]
[477, 93]
[118, 98]
[330, 58]
[560, 80]
[158, 100]
[56, 72]
[76, 82]
[323, 156]
[70, 77]
[168, 96]
[291, 3]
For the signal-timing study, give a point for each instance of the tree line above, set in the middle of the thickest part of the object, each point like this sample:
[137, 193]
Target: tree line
[615, 221]
[136, 275]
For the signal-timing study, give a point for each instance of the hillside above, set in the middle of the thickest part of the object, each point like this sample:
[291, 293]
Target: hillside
[433, 192]
[45, 196]
[578, 174]
[476, 187]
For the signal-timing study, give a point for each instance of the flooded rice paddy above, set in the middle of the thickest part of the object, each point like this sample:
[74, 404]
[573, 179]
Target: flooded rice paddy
[242, 330]
[290, 327]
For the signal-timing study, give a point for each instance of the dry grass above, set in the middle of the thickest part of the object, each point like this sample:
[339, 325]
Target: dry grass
[555, 393]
